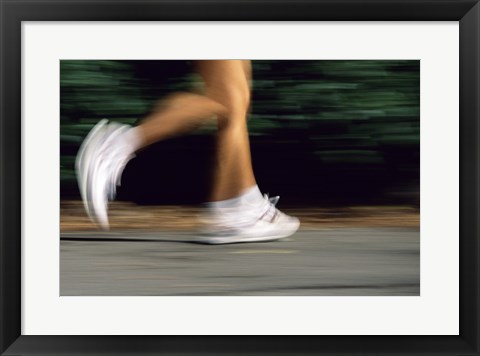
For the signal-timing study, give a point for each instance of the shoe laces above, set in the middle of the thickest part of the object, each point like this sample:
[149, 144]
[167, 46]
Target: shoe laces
[246, 216]
[269, 211]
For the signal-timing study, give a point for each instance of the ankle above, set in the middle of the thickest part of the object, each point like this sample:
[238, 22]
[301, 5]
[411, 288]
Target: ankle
[249, 197]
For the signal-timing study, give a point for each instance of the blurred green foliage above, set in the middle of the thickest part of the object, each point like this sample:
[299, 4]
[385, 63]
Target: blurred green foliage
[345, 113]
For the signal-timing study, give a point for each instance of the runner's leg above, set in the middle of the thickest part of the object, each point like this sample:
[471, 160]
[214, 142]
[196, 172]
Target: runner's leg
[227, 83]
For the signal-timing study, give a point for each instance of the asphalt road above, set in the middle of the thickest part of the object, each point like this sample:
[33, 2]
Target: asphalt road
[333, 262]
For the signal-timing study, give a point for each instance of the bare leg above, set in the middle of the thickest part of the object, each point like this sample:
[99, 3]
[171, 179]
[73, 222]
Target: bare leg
[227, 82]
[179, 113]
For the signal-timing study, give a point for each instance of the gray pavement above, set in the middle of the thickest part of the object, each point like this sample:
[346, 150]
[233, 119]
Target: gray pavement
[333, 262]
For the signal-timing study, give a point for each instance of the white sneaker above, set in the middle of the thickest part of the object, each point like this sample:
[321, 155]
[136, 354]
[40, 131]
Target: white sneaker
[84, 160]
[100, 169]
[249, 224]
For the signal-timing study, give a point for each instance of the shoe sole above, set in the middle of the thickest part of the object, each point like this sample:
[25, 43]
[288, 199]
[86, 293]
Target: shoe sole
[228, 239]
[83, 162]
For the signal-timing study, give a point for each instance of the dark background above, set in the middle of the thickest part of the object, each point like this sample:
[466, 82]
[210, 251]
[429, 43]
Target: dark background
[322, 132]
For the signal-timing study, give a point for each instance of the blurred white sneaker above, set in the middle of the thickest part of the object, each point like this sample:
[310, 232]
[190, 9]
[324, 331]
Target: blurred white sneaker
[84, 159]
[100, 168]
[249, 223]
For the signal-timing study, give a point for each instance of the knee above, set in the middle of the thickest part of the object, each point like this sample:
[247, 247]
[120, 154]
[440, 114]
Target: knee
[235, 97]
[239, 97]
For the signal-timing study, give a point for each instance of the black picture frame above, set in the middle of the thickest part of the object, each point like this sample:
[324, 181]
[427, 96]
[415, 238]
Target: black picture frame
[13, 12]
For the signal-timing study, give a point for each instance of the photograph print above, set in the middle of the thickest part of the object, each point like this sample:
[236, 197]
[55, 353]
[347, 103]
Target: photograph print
[240, 177]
